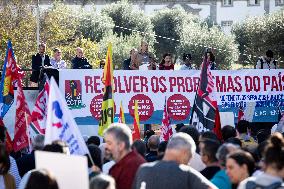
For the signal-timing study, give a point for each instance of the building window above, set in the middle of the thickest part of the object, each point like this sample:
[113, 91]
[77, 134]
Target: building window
[227, 23]
[227, 3]
[279, 2]
[253, 2]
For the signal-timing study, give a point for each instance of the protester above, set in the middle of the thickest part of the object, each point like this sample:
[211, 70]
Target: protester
[208, 149]
[38, 178]
[57, 62]
[147, 135]
[127, 63]
[209, 54]
[274, 166]
[153, 144]
[80, 62]
[239, 166]
[6, 179]
[39, 61]
[27, 162]
[106, 159]
[102, 181]
[13, 166]
[102, 64]
[95, 153]
[186, 58]
[221, 179]
[244, 135]
[235, 141]
[179, 126]
[172, 172]
[161, 150]
[140, 147]
[118, 139]
[166, 63]
[95, 140]
[228, 131]
[143, 57]
[266, 62]
[195, 162]
[57, 146]
[208, 135]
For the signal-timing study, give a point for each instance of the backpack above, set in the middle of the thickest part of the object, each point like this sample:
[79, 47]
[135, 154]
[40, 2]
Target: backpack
[252, 185]
[261, 63]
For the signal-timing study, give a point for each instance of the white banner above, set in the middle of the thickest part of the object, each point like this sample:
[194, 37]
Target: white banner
[83, 92]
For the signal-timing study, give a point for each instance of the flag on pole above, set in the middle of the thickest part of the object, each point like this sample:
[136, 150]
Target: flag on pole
[8, 142]
[136, 124]
[9, 77]
[60, 125]
[107, 112]
[121, 114]
[167, 131]
[21, 133]
[204, 109]
[37, 119]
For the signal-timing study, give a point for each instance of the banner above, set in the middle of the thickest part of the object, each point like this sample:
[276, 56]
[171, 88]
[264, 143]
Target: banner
[233, 88]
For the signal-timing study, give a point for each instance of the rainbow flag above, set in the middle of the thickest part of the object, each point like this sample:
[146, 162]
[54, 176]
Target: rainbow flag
[107, 112]
[9, 78]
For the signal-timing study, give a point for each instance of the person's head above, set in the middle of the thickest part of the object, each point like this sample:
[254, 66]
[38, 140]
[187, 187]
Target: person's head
[223, 151]
[140, 147]
[235, 141]
[133, 52]
[274, 154]
[41, 48]
[242, 127]
[187, 59]
[102, 181]
[149, 133]
[228, 131]
[144, 46]
[239, 166]
[79, 52]
[209, 53]
[96, 154]
[179, 126]
[4, 160]
[118, 140]
[269, 55]
[38, 142]
[153, 142]
[102, 63]
[208, 149]
[57, 146]
[162, 148]
[262, 135]
[57, 54]
[180, 148]
[208, 135]
[167, 59]
[191, 131]
[94, 140]
[38, 178]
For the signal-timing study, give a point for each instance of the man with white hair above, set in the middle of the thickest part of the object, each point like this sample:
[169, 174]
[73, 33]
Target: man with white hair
[118, 140]
[172, 172]
[80, 62]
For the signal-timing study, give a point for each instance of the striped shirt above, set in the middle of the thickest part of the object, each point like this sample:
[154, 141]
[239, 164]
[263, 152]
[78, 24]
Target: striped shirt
[14, 171]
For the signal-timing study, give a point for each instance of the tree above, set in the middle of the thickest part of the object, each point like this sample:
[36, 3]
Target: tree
[124, 15]
[94, 26]
[258, 34]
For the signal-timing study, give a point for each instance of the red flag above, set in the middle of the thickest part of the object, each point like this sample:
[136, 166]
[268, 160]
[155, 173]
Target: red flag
[241, 115]
[136, 124]
[217, 127]
[21, 136]
[38, 116]
[8, 142]
[167, 131]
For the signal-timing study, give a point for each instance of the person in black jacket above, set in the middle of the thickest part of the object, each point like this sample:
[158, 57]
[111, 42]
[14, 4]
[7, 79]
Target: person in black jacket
[39, 61]
[80, 62]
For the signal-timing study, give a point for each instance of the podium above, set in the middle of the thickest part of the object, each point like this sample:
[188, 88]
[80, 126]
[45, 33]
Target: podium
[49, 72]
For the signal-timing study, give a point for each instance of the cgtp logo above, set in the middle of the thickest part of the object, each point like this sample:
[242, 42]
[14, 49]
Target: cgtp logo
[56, 110]
[73, 94]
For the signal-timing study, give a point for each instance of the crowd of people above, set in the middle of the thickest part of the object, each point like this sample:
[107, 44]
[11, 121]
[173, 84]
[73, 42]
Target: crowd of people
[189, 159]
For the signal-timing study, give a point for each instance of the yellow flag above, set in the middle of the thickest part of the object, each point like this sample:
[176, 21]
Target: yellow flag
[107, 112]
[121, 114]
